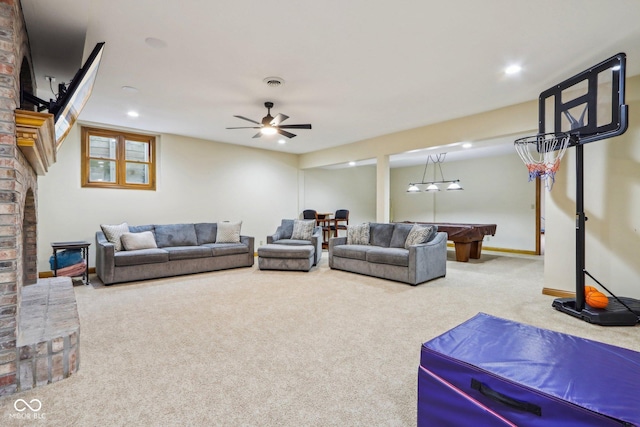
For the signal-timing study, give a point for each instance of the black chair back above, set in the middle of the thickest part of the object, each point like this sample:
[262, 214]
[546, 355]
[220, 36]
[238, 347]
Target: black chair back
[309, 214]
[342, 214]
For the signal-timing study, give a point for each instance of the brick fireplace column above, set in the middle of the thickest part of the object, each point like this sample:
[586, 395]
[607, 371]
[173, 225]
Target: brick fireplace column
[18, 191]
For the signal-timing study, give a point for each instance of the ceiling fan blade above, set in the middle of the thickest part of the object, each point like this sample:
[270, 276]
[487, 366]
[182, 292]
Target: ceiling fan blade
[285, 133]
[278, 119]
[257, 135]
[249, 120]
[247, 127]
[306, 126]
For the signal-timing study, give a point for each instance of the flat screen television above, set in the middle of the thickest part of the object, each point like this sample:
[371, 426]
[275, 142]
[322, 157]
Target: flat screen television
[71, 99]
[69, 104]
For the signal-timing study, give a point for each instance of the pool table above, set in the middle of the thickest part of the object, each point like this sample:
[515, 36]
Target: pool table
[467, 238]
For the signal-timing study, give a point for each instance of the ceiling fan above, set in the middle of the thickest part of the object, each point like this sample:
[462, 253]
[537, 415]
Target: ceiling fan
[271, 125]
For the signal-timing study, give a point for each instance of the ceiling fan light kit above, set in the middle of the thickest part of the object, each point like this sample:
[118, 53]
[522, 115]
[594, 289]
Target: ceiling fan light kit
[271, 125]
[268, 130]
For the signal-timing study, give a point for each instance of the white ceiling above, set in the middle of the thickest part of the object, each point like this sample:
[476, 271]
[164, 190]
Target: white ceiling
[353, 69]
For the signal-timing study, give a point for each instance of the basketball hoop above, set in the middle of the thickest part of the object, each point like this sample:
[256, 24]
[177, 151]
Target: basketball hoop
[542, 154]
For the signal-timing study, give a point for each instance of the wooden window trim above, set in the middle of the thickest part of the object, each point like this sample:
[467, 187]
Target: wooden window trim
[120, 160]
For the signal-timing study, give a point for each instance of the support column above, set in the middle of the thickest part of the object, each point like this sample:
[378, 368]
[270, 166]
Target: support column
[383, 193]
[301, 191]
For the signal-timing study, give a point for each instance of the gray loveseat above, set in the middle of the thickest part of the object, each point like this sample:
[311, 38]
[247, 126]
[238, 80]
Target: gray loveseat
[283, 235]
[181, 249]
[385, 255]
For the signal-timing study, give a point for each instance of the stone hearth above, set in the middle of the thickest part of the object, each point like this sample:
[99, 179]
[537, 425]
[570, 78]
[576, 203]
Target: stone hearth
[49, 333]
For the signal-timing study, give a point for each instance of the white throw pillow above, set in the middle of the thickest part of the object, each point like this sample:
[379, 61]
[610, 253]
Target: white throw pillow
[358, 234]
[417, 235]
[228, 232]
[302, 229]
[113, 233]
[135, 241]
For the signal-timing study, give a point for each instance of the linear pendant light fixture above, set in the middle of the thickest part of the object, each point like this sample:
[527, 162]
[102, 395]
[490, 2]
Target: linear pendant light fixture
[429, 186]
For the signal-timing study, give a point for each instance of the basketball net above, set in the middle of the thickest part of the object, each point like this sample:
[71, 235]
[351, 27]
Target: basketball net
[542, 155]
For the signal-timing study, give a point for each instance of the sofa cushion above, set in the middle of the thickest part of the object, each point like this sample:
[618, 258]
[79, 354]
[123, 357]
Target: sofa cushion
[113, 233]
[418, 234]
[380, 234]
[391, 256]
[352, 251]
[399, 236]
[358, 234]
[228, 232]
[141, 228]
[206, 232]
[176, 235]
[292, 242]
[135, 241]
[142, 256]
[219, 249]
[275, 250]
[303, 229]
[188, 252]
[286, 228]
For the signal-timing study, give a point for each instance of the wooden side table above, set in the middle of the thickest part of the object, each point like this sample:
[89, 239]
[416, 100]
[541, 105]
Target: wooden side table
[84, 248]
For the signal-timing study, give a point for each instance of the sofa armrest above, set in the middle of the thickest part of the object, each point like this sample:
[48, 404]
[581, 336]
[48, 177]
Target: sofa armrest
[316, 241]
[105, 258]
[250, 242]
[428, 260]
[275, 236]
[333, 242]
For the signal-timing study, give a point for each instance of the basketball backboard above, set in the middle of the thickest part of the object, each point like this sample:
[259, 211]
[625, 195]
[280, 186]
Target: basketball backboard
[590, 105]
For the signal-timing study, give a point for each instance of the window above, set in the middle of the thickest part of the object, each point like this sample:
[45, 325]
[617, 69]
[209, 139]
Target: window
[112, 159]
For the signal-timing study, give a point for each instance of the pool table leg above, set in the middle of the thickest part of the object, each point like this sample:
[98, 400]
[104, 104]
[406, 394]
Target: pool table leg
[463, 251]
[476, 248]
[466, 250]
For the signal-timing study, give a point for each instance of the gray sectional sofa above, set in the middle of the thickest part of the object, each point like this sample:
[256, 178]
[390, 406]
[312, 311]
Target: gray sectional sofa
[180, 249]
[386, 256]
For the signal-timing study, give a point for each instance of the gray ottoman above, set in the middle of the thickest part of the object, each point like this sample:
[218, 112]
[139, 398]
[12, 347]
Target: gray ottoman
[285, 257]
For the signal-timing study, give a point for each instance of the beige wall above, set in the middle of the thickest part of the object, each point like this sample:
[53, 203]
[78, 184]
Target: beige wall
[511, 120]
[349, 188]
[198, 181]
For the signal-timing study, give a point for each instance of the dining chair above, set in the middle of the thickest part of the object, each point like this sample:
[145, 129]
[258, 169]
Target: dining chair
[309, 214]
[340, 221]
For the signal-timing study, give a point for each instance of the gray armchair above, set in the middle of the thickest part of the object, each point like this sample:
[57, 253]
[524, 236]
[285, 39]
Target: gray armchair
[283, 233]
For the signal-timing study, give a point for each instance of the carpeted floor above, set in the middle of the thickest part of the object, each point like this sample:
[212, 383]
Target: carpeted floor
[247, 347]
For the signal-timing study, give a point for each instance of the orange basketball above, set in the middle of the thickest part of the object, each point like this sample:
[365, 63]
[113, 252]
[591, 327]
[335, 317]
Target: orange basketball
[588, 290]
[597, 299]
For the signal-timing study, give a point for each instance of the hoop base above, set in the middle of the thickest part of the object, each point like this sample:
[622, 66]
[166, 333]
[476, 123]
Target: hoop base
[615, 314]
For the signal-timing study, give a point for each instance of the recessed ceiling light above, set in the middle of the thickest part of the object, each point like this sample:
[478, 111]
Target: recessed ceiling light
[352, 163]
[133, 114]
[513, 69]
[282, 141]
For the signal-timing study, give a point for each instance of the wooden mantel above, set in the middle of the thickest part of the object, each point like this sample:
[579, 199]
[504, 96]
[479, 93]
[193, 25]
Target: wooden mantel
[35, 136]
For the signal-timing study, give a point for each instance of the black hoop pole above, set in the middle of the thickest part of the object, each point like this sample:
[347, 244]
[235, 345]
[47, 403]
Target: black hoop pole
[580, 228]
